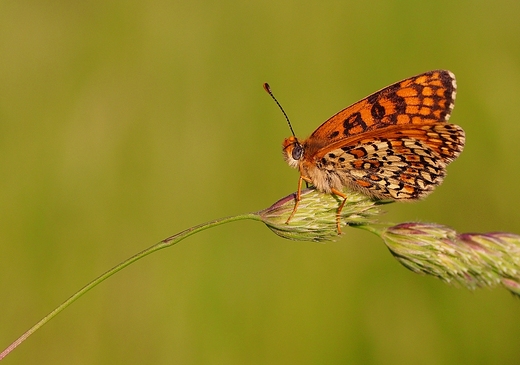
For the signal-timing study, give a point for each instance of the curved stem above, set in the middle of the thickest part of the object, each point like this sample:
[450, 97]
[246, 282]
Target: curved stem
[375, 228]
[168, 242]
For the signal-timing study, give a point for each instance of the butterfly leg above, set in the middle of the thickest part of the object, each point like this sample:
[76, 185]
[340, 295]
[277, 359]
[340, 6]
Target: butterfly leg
[340, 208]
[298, 197]
[334, 191]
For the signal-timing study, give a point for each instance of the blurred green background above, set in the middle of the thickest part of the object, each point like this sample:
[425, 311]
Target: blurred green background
[122, 123]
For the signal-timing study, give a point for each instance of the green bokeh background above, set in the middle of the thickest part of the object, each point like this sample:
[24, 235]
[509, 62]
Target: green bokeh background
[122, 123]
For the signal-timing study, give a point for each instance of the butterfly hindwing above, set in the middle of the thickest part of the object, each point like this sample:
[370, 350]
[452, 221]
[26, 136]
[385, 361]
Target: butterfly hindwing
[401, 164]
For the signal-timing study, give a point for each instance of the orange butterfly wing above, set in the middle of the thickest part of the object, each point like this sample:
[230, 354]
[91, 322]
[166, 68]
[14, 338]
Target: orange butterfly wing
[422, 99]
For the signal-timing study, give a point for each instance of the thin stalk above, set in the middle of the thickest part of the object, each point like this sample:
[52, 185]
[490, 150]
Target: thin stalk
[168, 242]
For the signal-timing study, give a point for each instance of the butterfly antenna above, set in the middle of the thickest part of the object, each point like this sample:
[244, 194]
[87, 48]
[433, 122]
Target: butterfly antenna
[268, 89]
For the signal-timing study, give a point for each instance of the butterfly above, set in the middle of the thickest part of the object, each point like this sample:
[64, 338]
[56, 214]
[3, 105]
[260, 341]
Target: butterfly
[394, 144]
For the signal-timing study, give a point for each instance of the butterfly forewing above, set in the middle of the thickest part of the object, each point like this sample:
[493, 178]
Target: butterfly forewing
[422, 99]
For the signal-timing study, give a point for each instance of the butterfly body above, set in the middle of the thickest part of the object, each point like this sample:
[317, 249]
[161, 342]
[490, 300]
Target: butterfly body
[394, 144]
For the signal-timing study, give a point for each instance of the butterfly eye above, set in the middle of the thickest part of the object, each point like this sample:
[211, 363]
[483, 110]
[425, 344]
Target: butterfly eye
[297, 151]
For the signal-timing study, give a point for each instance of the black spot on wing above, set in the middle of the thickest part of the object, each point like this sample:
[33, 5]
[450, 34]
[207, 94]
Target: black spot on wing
[377, 111]
[333, 134]
[353, 121]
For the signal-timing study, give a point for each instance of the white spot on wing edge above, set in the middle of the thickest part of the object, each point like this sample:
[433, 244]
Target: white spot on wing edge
[453, 94]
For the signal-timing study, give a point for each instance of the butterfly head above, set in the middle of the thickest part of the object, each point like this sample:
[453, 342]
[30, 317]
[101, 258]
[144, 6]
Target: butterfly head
[292, 151]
